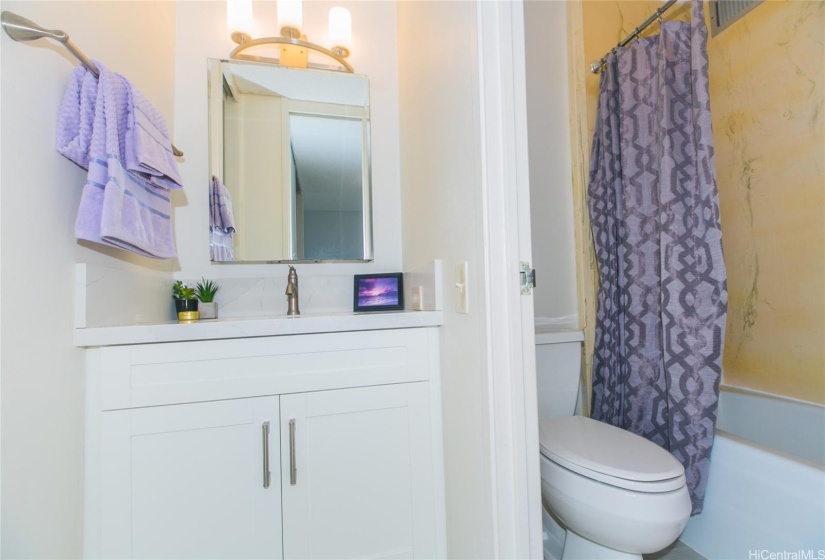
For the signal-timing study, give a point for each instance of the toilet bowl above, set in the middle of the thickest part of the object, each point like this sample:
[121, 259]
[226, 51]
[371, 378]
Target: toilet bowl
[618, 495]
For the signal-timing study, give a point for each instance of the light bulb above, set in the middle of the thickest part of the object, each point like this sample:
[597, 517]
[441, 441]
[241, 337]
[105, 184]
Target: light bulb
[290, 18]
[239, 19]
[340, 30]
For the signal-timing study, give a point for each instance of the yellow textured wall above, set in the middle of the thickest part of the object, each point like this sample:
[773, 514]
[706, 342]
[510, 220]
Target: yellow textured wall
[766, 78]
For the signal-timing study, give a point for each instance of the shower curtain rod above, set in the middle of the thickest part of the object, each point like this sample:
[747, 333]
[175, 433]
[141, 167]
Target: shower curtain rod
[596, 67]
[22, 29]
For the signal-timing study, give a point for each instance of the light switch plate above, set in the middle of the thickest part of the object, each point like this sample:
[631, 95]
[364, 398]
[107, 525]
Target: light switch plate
[462, 300]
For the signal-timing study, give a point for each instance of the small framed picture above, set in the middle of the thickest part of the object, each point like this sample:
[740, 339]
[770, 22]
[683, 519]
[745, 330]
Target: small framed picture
[378, 292]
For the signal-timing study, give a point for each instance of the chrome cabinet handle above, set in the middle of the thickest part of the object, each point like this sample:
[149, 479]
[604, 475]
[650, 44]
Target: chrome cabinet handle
[265, 436]
[293, 470]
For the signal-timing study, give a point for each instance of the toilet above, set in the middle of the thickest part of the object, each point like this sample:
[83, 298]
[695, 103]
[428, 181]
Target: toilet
[608, 493]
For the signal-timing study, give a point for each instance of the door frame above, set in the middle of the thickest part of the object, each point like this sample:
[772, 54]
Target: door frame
[510, 333]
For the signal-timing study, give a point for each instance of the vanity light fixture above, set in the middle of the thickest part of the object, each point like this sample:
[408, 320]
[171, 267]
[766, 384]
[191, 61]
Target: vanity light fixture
[292, 45]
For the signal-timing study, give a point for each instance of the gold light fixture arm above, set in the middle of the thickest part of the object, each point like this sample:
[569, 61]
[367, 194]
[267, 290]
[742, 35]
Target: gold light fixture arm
[249, 43]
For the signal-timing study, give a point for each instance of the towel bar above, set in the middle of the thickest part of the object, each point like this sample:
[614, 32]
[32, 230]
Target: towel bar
[22, 29]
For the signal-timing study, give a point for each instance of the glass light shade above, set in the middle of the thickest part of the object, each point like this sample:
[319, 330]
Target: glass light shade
[239, 16]
[340, 28]
[289, 14]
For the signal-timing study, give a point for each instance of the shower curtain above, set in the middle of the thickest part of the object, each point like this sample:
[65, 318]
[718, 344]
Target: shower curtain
[654, 210]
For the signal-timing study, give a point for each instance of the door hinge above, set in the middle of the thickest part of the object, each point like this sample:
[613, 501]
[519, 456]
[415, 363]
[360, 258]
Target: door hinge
[528, 278]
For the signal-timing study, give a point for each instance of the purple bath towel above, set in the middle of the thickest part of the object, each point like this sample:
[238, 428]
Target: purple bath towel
[76, 118]
[148, 147]
[119, 208]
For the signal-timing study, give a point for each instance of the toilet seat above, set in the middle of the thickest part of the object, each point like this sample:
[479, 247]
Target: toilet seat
[609, 455]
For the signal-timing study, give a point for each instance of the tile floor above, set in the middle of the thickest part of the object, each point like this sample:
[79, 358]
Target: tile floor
[676, 551]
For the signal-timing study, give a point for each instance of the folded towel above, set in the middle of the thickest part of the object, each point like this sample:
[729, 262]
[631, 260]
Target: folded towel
[148, 147]
[221, 216]
[119, 208]
[77, 115]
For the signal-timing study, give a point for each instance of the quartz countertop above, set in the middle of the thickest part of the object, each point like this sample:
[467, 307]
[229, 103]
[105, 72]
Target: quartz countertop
[248, 327]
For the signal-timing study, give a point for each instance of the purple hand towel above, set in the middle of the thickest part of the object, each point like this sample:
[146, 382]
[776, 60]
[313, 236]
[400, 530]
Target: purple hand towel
[148, 147]
[221, 222]
[76, 118]
[119, 208]
[220, 207]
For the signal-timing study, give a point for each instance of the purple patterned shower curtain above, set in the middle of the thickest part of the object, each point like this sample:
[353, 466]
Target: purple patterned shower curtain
[654, 210]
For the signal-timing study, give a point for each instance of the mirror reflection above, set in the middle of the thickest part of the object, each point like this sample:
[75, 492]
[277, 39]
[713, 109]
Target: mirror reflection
[289, 159]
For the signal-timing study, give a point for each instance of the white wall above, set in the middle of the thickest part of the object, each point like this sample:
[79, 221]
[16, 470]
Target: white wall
[442, 214]
[551, 177]
[201, 34]
[42, 374]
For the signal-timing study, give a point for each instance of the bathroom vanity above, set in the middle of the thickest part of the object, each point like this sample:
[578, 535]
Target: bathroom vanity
[317, 437]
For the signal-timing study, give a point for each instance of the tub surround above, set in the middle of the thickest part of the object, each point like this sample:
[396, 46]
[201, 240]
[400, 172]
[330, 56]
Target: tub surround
[779, 423]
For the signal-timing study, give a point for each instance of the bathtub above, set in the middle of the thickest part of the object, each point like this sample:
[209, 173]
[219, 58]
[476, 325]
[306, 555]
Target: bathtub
[766, 491]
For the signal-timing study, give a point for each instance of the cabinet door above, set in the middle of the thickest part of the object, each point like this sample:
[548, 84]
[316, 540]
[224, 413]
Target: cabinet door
[188, 481]
[357, 473]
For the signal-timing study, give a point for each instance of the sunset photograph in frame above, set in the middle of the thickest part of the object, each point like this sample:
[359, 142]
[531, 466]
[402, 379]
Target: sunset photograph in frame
[378, 292]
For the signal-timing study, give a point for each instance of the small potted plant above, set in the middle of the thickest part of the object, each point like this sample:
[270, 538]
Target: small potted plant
[205, 291]
[186, 303]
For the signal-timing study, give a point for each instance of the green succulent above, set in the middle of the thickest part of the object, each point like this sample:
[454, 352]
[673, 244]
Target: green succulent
[182, 291]
[206, 290]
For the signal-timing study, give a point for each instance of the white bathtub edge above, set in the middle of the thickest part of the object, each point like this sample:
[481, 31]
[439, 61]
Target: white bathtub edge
[758, 499]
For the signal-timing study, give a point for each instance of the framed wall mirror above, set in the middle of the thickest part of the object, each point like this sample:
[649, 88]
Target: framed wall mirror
[289, 159]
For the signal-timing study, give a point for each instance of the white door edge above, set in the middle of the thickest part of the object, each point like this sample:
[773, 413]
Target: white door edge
[510, 328]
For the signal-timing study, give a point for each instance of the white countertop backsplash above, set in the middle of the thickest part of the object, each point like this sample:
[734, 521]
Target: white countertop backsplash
[130, 306]
[260, 297]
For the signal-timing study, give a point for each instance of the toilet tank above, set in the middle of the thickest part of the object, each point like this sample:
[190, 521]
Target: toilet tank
[558, 371]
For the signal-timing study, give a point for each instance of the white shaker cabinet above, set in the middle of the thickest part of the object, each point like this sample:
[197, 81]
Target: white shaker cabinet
[305, 446]
[187, 481]
[358, 473]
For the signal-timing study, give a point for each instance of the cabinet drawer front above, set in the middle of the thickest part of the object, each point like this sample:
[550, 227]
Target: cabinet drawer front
[172, 373]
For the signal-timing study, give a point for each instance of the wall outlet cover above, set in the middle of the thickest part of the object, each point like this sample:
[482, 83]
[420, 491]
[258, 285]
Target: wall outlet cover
[417, 303]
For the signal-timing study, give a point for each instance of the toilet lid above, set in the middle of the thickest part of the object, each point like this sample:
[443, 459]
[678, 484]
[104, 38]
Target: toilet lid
[609, 454]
